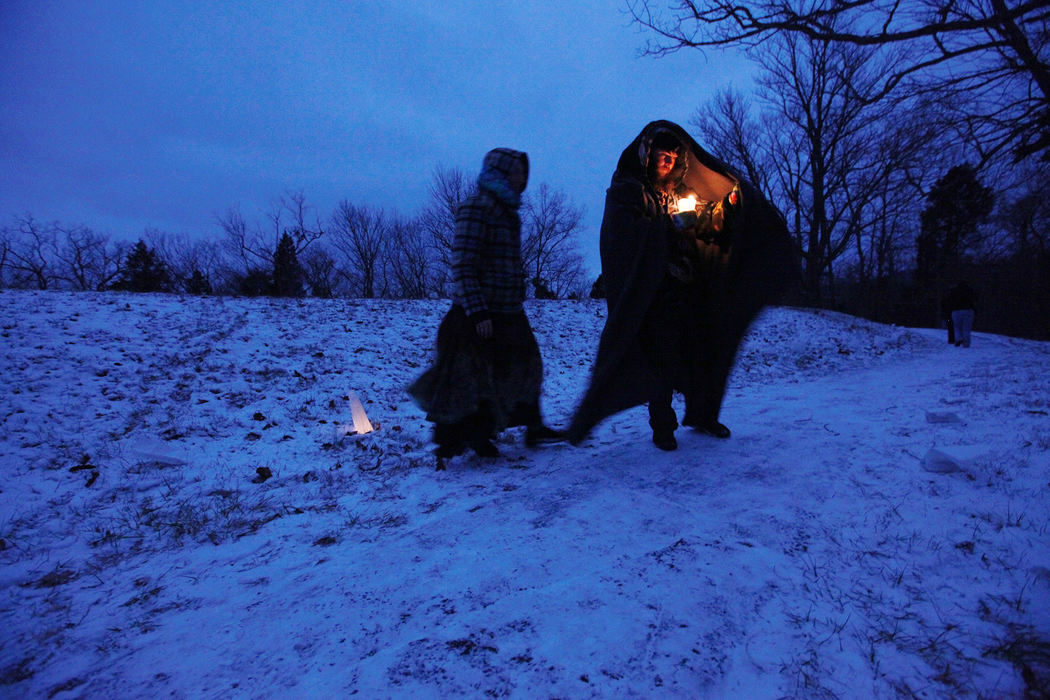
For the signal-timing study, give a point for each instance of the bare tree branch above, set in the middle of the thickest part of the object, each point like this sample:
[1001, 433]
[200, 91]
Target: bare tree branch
[991, 53]
[359, 235]
[550, 224]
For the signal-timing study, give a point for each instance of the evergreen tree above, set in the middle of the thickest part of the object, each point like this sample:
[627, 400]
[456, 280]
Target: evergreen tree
[958, 203]
[143, 271]
[287, 272]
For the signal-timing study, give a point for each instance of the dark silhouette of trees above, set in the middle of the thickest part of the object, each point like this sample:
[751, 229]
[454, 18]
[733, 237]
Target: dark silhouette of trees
[143, 271]
[256, 282]
[85, 260]
[256, 257]
[359, 234]
[550, 226]
[832, 160]
[319, 272]
[31, 253]
[414, 269]
[196, 266]
[956, 206]
[198, 284]
[989, 58]
[287, 273]
[448, 187]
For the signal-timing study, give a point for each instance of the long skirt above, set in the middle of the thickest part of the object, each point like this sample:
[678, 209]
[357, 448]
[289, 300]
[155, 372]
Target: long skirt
[482, 386]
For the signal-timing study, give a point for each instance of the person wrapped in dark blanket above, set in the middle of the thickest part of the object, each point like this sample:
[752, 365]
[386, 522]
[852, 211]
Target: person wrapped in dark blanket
[487, 372]
[684, 280]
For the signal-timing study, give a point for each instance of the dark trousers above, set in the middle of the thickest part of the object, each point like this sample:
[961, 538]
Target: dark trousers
[670, 335]
[684, 343]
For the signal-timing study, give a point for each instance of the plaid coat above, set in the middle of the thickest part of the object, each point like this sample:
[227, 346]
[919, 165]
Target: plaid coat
[486, 384]
[487, 269]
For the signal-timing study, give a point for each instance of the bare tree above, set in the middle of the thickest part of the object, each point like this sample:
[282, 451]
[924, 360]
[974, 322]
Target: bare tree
[320, 272]
[303, 229]
[32, 253]
[414, 267]
[86, 260]
[843, 167]
[1025, 218]
[887, 201]
[244, 242]
[728, 127]
[816, 144]
[359, 235]
[5, 250]
[254, 249]
[288, 214]
[550, 224]
[191, 262]
[448, 189]
[993, 54]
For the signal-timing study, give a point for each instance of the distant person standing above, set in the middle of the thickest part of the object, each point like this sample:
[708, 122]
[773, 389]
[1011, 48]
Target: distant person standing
[962, 302]
[487, 372]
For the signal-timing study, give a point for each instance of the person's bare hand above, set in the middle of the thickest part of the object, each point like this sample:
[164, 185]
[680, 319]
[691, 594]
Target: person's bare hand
[484, 328]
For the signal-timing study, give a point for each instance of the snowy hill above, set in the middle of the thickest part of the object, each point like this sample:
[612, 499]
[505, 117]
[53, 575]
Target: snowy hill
[183, 514]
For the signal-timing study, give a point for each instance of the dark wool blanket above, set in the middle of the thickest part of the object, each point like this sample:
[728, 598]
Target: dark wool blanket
[754, 263]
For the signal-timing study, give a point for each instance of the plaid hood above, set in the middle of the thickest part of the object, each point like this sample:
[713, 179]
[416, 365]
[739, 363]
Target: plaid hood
[495, 174]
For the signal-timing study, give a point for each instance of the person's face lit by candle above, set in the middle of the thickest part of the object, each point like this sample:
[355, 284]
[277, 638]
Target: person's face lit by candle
[663, 162]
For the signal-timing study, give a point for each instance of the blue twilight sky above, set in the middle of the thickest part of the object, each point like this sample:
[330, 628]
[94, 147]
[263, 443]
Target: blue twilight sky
[164, 113]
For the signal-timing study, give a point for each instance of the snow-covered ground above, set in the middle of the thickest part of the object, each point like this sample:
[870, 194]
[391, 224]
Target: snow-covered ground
[877, 526]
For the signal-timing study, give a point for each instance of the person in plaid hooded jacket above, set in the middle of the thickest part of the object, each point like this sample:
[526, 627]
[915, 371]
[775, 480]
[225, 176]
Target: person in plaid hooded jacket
[487, 372]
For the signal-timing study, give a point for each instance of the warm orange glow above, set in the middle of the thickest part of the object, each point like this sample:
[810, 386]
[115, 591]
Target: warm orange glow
[357, 411]
[687, 203]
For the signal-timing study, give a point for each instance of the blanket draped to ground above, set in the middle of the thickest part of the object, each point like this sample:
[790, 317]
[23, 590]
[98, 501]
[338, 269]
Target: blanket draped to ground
[755, 265]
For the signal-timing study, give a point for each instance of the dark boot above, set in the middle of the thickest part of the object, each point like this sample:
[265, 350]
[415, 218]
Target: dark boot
[709, 426]
[449, 440]
[539, 434]
[484, 448]
[662, 419]
[664, 439]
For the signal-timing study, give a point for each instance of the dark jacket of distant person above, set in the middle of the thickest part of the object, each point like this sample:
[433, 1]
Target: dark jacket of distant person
[753, 263]
[961, 297]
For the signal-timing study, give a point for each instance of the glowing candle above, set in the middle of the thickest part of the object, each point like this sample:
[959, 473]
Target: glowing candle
[357, 411]
[687, 203]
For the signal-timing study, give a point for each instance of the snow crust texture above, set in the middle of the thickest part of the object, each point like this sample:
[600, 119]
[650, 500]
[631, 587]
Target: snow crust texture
[185, 513]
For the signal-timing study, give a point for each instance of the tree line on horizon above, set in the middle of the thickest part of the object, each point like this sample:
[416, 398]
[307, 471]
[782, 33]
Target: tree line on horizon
[291, 251]
[907, 145]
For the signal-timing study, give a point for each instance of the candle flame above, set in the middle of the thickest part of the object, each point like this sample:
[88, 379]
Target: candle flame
[687, 203]
[357, 411]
